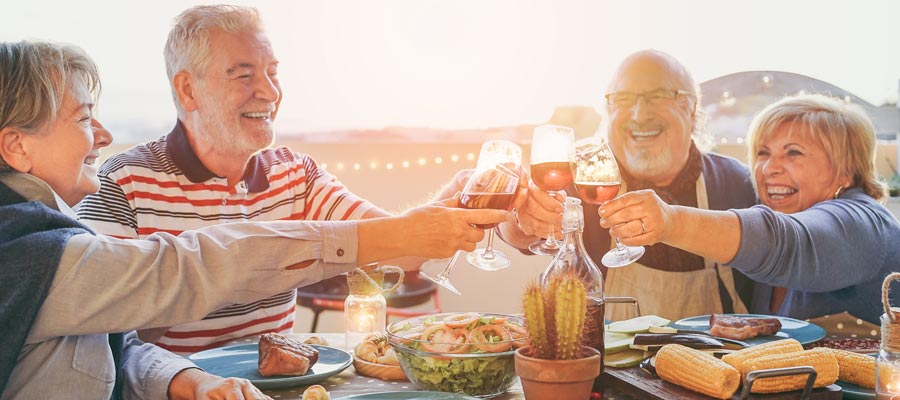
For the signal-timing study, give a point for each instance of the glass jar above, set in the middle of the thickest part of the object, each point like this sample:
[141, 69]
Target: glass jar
[887, 370]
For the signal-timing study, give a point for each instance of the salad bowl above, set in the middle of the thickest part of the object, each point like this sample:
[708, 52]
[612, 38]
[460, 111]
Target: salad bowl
[470, 353]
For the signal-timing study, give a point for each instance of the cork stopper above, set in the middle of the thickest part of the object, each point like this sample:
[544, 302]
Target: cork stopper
[890, 321]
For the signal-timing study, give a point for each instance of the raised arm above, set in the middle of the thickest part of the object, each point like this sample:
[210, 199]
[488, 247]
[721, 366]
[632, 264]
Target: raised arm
[642, 218]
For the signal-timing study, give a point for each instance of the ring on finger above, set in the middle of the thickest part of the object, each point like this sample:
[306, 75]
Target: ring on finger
[643, 227]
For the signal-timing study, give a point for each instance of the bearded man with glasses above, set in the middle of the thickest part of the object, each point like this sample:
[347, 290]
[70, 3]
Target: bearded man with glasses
[654, 113]
[654, 116]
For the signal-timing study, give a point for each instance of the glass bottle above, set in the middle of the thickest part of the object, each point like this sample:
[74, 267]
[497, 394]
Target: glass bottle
[887, 370]
[573, 257]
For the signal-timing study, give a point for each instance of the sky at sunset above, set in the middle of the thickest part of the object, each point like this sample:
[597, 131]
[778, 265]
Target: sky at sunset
[474, 63]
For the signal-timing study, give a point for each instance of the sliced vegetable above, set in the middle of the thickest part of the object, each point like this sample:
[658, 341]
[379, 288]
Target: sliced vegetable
[624, 359]
[439, 338]
[461, 320]
[637, 325]
[490, 338]
[616, 342]
[685, 339]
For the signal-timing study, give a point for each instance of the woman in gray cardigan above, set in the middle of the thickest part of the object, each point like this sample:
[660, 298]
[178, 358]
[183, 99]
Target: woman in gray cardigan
[822, 232]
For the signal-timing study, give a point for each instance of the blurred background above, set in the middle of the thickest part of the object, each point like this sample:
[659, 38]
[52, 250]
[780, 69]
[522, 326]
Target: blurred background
[394, 96]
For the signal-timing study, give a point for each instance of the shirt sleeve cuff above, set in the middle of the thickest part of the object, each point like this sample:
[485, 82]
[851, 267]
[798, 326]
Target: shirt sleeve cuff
[161, 376]
[340, 244]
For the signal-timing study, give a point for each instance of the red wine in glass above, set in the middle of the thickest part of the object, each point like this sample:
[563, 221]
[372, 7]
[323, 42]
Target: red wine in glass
[552, 176]
[496, 201]
[597, 192]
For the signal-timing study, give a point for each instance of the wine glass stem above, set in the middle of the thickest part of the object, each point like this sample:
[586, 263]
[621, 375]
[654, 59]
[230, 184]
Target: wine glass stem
[550, 241]
[488, 253]
[620, 248]
[445, 273]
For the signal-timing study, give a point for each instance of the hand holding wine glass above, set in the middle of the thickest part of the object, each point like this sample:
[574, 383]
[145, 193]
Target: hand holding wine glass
[597, 179]
[493, 185]
[552, 157]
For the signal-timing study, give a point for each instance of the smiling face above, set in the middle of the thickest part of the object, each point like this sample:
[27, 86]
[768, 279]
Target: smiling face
[238, 95]
[64, 153]
[652, 141]
[793, 170]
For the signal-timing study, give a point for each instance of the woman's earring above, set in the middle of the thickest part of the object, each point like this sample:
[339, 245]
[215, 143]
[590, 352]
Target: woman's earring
[838, 191]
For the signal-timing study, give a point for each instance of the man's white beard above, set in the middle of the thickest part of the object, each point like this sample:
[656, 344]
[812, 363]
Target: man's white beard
[647, 166]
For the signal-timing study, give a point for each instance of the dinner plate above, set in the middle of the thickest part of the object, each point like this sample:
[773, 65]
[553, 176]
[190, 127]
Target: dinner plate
[851, 391]
[804, 332]
[240, 361]
[408, 396]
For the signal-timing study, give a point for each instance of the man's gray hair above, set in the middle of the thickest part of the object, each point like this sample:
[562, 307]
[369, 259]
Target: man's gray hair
[34, 78]
[188, 47]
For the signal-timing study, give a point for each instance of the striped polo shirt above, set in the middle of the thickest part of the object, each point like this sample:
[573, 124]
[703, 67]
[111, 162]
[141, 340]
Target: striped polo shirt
[162, 186]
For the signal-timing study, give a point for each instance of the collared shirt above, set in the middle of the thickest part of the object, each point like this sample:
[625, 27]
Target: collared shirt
[162, 186]
[105, 284]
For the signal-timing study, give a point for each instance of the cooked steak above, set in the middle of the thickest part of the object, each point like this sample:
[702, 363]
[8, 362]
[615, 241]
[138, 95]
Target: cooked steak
[280, 355]
[738, 328]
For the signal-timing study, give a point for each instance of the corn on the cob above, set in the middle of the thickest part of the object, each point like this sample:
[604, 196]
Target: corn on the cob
[737, 358]
[697, 371]
[856, 368]
[822, 360]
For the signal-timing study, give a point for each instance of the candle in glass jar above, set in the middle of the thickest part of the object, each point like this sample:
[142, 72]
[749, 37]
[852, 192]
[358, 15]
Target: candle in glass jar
[362, 316]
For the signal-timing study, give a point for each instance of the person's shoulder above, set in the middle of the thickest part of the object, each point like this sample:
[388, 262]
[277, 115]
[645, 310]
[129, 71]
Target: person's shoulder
[721, 161]
[150, 155]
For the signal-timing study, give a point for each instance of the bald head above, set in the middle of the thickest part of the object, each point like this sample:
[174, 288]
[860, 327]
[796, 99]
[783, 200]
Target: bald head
[654, 66]
[650, 124]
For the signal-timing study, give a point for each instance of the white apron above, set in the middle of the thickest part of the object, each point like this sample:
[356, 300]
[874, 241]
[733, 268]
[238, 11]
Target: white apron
[671, 295]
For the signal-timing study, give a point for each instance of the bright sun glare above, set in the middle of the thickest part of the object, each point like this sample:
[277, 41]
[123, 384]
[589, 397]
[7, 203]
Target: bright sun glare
[474, 63]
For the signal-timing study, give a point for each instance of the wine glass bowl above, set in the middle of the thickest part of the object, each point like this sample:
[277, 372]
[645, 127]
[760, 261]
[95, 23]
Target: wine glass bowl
[552, 158]
[490, 188]
[597, 179]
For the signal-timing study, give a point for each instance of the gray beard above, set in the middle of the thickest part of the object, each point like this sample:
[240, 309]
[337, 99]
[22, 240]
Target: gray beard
[646, 166]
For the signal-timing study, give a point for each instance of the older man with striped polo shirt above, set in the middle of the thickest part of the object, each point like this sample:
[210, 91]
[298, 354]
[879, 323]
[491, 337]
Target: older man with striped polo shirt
[216, 167]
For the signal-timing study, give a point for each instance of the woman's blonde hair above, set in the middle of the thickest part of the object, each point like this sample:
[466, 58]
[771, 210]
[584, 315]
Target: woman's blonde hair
[843, 128]
[34, 77]
[188, 45]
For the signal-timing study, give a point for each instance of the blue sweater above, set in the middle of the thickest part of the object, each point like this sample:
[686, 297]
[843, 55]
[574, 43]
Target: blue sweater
[32, 239]
[833, 256]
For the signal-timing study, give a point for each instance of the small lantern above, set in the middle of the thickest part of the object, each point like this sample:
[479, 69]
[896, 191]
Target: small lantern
[887, 371]
[365, 309]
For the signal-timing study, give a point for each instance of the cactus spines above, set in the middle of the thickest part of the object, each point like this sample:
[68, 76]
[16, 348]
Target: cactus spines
[571, 303]
[555, 316]
[533, 303]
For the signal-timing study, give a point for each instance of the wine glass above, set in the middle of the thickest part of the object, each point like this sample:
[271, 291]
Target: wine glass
[597, 179]
[494, 176]
[492, 187]
[552, 157]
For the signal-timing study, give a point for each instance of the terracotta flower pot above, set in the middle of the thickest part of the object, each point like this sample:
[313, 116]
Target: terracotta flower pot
[557, 379]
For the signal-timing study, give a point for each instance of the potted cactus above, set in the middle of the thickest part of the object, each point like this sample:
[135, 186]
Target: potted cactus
[556, 365]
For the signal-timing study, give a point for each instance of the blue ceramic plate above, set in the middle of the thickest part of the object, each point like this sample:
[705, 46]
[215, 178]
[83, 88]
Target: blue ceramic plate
[408, 396]
[240, 361]
[803, 331]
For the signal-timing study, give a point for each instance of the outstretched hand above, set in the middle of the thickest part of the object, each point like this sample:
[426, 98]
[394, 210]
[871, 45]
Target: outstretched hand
[637, 218]
[440, 229]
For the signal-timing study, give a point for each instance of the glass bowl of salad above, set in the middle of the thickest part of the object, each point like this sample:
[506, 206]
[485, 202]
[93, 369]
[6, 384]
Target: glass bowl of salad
[471, 353]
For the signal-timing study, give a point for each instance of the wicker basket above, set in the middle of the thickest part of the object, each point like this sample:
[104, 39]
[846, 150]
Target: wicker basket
[379, 371]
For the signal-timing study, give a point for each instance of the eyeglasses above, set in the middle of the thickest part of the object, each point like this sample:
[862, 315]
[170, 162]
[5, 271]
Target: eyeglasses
[654, 97]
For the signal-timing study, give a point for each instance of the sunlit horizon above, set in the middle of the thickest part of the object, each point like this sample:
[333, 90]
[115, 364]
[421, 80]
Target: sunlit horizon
[474, 64]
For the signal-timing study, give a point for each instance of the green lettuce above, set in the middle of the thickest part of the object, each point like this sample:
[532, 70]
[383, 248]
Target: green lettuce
[476, 376]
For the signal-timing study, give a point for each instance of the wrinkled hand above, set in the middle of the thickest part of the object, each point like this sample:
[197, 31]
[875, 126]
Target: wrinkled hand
[637, 218]
[438, 230]
[541, 212]
[196, 384]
